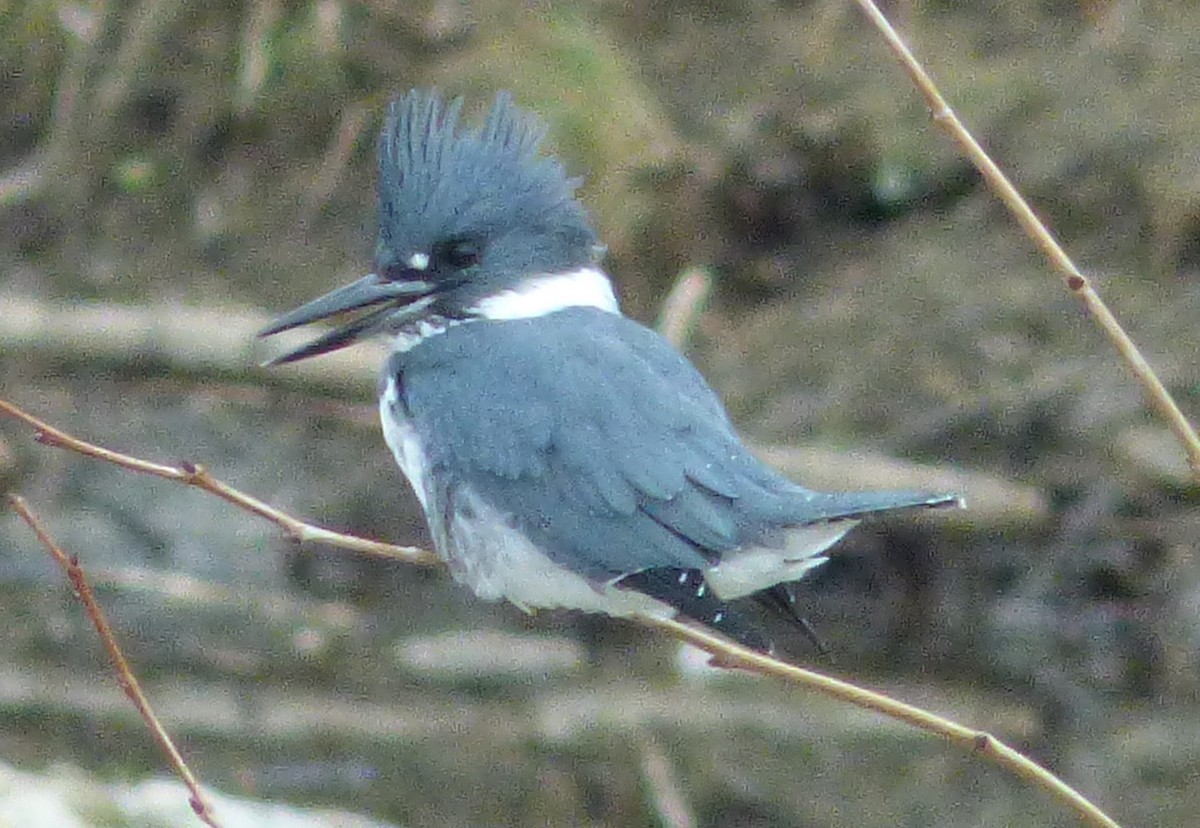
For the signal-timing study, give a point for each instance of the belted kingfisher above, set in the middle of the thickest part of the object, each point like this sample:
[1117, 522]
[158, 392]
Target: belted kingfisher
[564, 455]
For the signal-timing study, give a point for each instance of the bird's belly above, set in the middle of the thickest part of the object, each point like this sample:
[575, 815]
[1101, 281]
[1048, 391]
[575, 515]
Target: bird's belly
[487, 553]
[484, 550]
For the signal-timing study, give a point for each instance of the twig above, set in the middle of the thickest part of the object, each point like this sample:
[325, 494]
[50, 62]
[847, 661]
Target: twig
[333, 165]
[196, 475]
[683, 305]
[1160, 399]
[725, 653]
[129, 683]
[670, 804]
[165, 333]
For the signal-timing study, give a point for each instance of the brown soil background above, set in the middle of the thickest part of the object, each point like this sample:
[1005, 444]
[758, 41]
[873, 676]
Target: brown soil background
[171, 174]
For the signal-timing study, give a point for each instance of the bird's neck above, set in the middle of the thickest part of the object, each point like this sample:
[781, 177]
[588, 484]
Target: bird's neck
[587, 287]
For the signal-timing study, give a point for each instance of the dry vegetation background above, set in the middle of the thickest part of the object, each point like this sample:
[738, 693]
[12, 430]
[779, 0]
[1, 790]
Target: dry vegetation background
[173, 173]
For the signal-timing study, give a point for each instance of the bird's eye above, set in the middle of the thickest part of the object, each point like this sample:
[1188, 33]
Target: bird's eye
[459, 253]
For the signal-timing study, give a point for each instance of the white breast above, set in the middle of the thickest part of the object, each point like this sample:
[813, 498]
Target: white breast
[406, 447]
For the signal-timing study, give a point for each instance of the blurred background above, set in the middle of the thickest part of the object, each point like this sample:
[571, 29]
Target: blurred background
[173, 174]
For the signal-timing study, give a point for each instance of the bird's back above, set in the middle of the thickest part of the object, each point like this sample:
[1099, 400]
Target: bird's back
[602, 444]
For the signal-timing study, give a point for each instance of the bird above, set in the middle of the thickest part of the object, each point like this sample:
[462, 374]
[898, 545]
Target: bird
[564, 455]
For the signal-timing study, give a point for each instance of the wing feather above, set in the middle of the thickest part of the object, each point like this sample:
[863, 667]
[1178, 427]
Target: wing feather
[601, 443]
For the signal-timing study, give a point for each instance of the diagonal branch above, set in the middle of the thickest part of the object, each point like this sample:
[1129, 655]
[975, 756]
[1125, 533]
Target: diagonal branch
[129, 683]
[196, 475]
[725, 653]
[1160, 399]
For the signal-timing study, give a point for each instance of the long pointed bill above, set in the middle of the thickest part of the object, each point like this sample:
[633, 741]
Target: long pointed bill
[368, 292]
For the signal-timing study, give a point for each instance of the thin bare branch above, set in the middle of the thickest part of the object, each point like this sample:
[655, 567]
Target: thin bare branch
[683, 305]
[333, 165]
[666, 794]
[128, 681]
[727, 654]
[196, 475]
[1160, 399]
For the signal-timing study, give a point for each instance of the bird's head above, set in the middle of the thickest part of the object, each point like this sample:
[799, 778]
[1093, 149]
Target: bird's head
[473, 223]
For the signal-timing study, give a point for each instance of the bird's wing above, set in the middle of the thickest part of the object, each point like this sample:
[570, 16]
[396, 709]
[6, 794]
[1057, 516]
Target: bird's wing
[602, 443]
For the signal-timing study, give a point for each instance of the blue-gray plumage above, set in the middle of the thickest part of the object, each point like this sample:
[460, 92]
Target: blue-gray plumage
[625, 462]
[563, 454]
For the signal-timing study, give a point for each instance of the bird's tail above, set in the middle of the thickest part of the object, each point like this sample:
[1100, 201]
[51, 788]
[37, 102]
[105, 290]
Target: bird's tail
[821, 506]
[692, 597]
